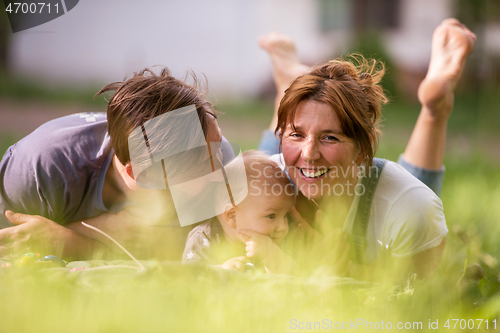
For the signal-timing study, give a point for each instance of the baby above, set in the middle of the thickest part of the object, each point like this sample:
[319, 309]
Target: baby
[250, 231]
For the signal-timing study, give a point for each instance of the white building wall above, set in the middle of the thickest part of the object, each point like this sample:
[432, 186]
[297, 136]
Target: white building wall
[103, 40]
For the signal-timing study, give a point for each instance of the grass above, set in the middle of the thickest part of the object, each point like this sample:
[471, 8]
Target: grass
[168, 297]
[24, 89]
[6, 140]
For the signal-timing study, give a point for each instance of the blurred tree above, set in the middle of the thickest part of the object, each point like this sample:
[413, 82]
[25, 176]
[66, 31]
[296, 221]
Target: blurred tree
[476, 12]
[484, 66]
[5, 32]
[369, 43]
[366, 19]
[376, 14]
[370, 19]
[481, 78]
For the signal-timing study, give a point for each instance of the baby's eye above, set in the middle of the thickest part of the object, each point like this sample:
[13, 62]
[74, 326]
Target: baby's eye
[271, 216]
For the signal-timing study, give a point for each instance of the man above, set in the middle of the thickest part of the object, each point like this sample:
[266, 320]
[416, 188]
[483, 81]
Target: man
[78, 168]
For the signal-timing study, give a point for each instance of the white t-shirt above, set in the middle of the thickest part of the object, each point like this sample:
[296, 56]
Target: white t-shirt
[406, 217]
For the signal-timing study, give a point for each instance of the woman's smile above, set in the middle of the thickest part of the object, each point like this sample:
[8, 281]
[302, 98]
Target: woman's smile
[313, 174]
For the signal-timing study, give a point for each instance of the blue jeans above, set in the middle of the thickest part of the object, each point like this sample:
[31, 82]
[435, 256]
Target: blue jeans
[270, 144]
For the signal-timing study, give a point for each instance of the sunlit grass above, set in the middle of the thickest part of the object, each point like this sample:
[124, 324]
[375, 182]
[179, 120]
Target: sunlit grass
[169, 297]
[175, 298]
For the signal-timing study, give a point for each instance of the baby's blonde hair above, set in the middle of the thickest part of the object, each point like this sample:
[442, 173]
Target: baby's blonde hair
[262, 172]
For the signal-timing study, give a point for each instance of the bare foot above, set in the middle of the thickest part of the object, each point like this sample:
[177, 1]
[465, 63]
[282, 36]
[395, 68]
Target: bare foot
[286, 63]
[452, 42]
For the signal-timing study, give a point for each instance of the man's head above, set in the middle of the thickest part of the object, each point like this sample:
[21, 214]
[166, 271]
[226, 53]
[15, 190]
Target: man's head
[147, 95]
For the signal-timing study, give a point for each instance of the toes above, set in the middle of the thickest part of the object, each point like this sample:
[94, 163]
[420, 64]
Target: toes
[276, 40]
[264, 41]
[452, 29]
[451, 21]
[454, 23]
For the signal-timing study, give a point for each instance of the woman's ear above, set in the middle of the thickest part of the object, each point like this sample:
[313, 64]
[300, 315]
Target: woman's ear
[360, 159]
[230, 215]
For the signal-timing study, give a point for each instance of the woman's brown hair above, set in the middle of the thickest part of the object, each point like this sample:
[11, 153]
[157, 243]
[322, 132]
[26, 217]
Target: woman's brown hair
[351, 89]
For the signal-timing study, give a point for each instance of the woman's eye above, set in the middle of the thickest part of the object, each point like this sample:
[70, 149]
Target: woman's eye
[330, 138]
[271, 216]
[294, 135]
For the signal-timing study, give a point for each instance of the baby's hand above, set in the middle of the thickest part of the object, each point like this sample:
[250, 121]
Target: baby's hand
[237, 263]
[258, 246]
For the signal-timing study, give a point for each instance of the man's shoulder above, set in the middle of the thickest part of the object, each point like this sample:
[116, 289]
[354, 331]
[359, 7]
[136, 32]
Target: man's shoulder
[59, 152]
[75, 128]
[71, 138]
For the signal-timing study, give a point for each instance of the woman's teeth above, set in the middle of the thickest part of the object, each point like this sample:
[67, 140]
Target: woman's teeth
[316, 174]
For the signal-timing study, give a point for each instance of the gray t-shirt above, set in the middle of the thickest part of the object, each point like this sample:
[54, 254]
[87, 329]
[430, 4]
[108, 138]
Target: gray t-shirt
[58, 171]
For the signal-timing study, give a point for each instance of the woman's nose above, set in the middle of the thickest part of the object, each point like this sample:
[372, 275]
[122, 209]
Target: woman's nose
[310, 150]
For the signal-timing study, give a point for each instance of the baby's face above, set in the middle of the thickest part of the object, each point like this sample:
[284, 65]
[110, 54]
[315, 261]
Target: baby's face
[265, 214]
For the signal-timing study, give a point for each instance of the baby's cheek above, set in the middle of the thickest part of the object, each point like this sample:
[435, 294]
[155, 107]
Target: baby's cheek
[277, 241]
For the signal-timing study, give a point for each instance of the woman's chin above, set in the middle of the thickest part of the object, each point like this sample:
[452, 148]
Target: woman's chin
[314, 191]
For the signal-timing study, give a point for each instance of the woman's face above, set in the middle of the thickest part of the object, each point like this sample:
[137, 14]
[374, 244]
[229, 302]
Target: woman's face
[320, 159]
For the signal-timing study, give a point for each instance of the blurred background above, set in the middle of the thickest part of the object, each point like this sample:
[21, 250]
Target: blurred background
[56, 68]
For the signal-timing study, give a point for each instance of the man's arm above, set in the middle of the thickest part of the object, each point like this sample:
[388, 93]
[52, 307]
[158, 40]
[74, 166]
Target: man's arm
[34, 233]
[115, 225]
[134, 232]
[39, 234]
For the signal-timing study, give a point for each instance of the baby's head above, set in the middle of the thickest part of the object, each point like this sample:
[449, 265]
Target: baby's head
[264, 210]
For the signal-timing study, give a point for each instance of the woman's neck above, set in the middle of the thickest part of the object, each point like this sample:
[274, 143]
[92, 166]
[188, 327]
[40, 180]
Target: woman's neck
[335, 208]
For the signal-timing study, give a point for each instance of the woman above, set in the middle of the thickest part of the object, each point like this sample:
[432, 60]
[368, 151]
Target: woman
[327, 124]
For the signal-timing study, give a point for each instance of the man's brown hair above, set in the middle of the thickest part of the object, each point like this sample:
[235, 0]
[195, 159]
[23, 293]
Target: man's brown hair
[146, 95]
